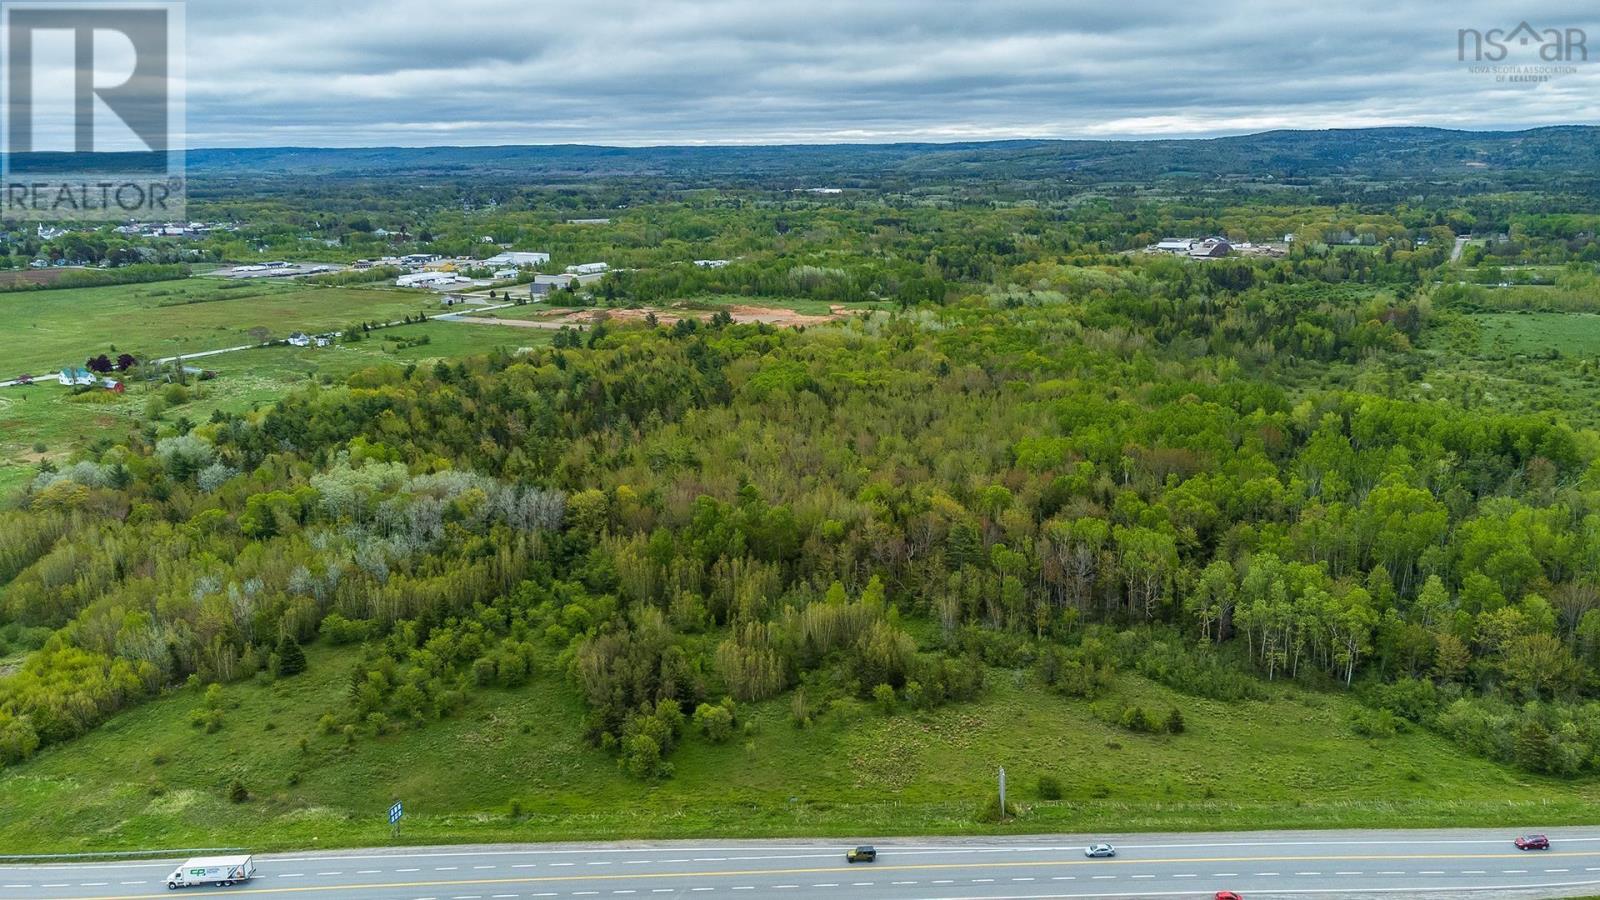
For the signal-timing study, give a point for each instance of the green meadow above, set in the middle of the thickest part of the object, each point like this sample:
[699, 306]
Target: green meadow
[513, 765]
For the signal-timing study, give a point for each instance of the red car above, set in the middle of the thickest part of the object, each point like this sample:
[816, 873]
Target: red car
[1228, 895]
[1532, 842]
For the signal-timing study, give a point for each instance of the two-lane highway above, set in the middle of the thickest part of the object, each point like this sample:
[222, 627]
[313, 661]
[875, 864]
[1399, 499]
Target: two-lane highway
[1356, 864]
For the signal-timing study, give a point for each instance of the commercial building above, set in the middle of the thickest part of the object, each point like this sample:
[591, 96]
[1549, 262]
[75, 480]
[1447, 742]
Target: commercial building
[517, 258]
[428, 279]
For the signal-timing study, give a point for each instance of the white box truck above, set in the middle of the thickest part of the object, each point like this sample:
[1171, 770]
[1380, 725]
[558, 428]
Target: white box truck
[222, 870]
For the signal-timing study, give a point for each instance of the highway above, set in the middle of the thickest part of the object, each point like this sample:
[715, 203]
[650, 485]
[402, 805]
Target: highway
[1412, 864]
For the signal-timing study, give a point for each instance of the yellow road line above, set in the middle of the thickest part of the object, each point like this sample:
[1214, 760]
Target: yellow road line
[873, 867]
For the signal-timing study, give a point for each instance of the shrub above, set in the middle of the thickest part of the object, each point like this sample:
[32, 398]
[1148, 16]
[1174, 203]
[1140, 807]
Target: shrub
[1086, 670]
[483, 671]
[991, 813]
[641, 756]
[914, 695]
[237, 792]
[1175, 721]
[18, 740]
[336, 629]
[715, 721]
[1049, 787]
[1134, 718]
[883, 695]
[800, 709]
[1199, 672]
[1376, 723]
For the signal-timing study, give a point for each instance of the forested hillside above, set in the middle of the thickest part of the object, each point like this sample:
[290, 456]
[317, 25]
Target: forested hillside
[1375, 154]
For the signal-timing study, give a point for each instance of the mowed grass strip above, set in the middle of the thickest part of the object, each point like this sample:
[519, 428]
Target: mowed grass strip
[514, 767]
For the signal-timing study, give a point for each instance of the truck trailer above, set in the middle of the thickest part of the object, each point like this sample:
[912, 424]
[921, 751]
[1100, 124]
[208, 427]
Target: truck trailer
[223, 870]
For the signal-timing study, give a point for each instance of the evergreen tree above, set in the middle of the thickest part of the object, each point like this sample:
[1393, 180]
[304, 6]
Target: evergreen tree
[291, 659]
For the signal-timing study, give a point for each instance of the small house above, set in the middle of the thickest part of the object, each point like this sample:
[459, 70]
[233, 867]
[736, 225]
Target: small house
[299, 339]
[77, 377]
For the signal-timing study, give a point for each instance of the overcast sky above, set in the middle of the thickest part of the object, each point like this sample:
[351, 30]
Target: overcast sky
[411, 72]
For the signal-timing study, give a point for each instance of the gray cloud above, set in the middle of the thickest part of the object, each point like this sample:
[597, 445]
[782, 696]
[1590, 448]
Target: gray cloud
[762, 71]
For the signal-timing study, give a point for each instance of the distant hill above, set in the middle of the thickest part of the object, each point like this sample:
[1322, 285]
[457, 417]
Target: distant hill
[1378, 153]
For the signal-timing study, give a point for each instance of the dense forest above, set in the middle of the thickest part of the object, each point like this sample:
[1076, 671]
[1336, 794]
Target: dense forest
[1103, 465]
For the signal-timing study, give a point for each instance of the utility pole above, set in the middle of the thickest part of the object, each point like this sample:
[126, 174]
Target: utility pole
[1002, 793]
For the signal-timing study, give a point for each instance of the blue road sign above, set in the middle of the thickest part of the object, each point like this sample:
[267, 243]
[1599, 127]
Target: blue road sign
[395, 812]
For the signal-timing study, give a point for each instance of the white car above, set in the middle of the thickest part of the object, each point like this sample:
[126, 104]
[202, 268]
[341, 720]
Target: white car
[1094, 851]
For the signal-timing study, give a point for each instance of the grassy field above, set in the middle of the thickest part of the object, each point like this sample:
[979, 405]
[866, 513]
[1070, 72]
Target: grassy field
[46, 330]
[1537, 333]
[51, 416]
[514, 766]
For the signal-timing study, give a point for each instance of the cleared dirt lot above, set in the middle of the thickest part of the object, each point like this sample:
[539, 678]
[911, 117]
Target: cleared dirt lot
[582, 318]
